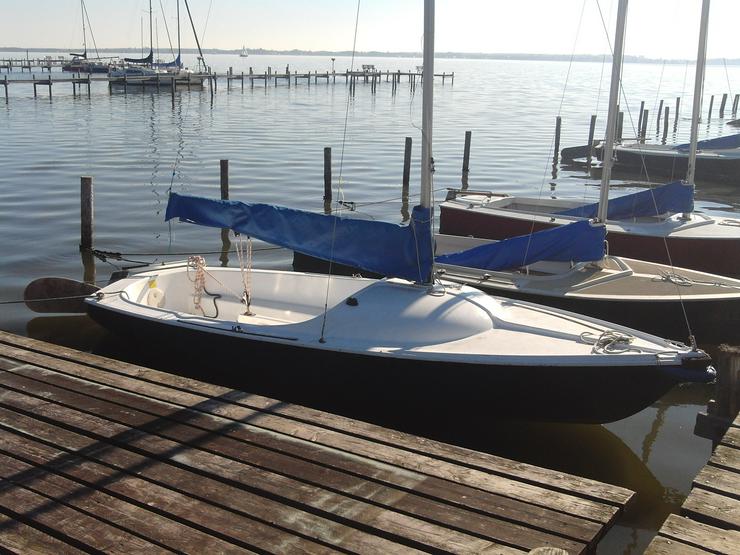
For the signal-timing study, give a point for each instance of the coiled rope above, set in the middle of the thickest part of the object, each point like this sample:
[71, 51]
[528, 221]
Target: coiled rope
[609, 342]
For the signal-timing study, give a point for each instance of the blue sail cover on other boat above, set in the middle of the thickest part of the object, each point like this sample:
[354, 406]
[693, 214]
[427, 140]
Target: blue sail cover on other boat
[671, 198]
[174, 63]
[379, 247]
[730, 141]
[576, 242]
[148, 60]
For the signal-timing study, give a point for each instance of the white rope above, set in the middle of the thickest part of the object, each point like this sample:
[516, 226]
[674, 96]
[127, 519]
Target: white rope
[609, 342]
[245, 271]
[197, 263]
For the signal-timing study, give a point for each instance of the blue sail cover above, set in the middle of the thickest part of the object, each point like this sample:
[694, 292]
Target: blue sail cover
[175, 63]
[379, 247]
[730, 141]
[671, 198]
[576, 242]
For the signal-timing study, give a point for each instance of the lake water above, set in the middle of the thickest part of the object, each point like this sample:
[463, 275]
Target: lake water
[138, 147]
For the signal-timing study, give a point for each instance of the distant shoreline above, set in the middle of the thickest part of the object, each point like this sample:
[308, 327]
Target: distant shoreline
[378, 54]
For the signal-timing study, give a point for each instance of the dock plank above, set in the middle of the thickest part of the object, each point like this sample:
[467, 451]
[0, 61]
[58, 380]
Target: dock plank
[17, 537]
[265, 407]
[726, 457]
[497, 506]
[190, 467]
[664, 546]
[712, 508]
[719, 480]
[701, 535]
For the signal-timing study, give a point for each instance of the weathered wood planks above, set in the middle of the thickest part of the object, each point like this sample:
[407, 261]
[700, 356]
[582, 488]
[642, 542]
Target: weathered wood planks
[710, 521]
[99, 454]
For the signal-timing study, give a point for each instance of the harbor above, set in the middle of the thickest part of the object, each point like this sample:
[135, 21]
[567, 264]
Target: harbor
[179, 387]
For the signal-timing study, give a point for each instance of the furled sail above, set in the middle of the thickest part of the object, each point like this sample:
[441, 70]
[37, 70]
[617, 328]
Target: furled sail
[672, 198]
[148, 60]
[379, 247]
[577, 242]
[730, 141]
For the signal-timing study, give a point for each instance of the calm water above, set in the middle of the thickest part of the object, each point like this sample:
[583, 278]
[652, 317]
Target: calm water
[138, 147]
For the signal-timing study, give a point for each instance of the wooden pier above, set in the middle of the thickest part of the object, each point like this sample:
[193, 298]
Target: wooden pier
[96, 454]
[710, 518]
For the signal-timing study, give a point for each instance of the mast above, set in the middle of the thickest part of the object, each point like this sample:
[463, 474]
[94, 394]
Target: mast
[611, 120]
[427, 77]
[701, 59]
[151, 36]
[84, 36]
[195, 34]
[179, 60]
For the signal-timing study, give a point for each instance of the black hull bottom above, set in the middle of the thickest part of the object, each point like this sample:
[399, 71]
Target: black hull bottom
[308, 376]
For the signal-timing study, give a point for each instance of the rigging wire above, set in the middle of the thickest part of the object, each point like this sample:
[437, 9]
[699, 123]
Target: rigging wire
[340, 193]
[166, 28]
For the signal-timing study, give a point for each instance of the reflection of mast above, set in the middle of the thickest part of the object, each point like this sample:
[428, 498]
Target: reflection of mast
[151, 35]
[179, 60]
[652, 435]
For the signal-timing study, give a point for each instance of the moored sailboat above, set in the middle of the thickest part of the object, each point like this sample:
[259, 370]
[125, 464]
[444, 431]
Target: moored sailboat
[391, 339]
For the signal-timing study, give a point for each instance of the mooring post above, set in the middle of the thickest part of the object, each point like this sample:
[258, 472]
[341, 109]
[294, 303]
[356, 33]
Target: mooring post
[725, 403]
[224, 166]
[665, 124]
[466, 159]
[657, 121]
[643, 130]
[711, 105]
[639, 119]
[620, 127]
[556, 153]
[327, 176]
[722, 105]
[86, 212]
[243, 80]
[734, 104]
[590, 143]
[173, 86]
[406, 165]
[675, 115]
[5, 83]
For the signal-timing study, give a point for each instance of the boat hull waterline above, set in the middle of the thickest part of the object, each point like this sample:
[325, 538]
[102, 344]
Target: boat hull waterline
[537, 375]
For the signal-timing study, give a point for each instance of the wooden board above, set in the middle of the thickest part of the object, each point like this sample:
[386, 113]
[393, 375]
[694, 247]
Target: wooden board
[187, 466]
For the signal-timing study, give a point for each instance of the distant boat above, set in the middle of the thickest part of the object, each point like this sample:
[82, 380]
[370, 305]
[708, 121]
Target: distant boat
[79, 62]
[244, 53]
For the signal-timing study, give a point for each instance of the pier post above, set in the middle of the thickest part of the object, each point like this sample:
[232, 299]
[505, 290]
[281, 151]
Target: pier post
[675, 115]
[722, 105]
[620, 127]
[556, 153]
[327, 180]
[5, 84]
[86, 212]
[243, 80]
[466, 159]
[665, 124]
[591, 131]
[723, 407]
[406, 165]
[643, 130]
[734, 105]
[639, 119]
[657, 121]
[125, 83]
[711, 105]
[173, 86]
[224, 165]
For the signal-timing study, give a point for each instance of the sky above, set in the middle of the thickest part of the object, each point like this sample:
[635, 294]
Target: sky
[662, 29]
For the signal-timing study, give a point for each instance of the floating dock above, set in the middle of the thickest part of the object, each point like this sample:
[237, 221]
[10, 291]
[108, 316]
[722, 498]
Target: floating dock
[97, 454]
[710, 518]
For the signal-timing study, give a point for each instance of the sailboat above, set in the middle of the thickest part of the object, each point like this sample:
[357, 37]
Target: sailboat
[244, 53]
[393, 339]
[80, 62]
[568, 266]
[658, 225]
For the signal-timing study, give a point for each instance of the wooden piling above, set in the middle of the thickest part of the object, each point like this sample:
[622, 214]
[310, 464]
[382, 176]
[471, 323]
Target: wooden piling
[5, 84]
[466, 157]
[590, 143]
[657, 121]
[665, 124]
[643, 130]
[327, 174]
[556, 153]
[86, 212]
[722, 105]
[642, 113]
[734, 105]
[711, 105]
[675, 115]
[173, 87]
[406, 164]
[620, 127]
[224, 166]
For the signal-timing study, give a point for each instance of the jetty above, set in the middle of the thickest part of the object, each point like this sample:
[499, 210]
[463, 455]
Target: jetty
[98, 454]
[367, 75]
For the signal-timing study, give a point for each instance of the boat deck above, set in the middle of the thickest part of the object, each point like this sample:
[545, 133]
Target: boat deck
[710, 517]
[97, 454]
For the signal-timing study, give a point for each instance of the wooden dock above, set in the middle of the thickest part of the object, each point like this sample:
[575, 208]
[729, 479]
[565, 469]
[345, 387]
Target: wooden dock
[97, 454]
[710, 517]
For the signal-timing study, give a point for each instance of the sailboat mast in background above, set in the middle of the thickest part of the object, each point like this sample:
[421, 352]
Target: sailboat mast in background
[701, 59]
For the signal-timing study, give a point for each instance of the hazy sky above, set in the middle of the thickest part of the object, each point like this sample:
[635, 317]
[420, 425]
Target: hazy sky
[656, 28]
